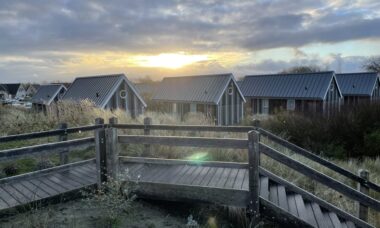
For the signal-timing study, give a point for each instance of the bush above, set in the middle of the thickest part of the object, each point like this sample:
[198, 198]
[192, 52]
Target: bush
[11, 169]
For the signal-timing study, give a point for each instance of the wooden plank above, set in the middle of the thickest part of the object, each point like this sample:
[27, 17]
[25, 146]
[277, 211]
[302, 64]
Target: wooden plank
[154, 172]
[126, 159]
[190, 179]
[239, 179]
[46, 188]
[80, 176]
[321, 177]
[173, 172]
[68, 179]
[273, 194]
[185, 141]
[264, 187]
[8, 198]
[29, 195]
[319, 215]
[301, 207]
[308, 196]
[179, 175]
[327, 220]
[344, 225]
[60, 182]
[350, 224]
[282, 199]
[36, 189]
[186, 175]
[232, 178]
[21, 199]
[292, 205]
[3, 204]
[207, 179]
[335, 220]
[310, 215]
[55, 147]
[202, 175]
[215, 179]
[246, 181]
[86, 173]
[53, 185]
[223, 178]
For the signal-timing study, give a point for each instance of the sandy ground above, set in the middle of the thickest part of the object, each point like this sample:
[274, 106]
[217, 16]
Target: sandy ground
[75, 214]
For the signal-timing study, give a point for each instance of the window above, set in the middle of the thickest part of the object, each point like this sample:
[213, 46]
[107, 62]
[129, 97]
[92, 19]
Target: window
[291, 105]
[123, 94]
[230, 90]
[265, 105]
[332, 87]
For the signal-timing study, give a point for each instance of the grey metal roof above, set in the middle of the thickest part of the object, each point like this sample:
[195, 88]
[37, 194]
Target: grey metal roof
[46, 94]
[357, 84]
[292, 86]
[147, 88]
[97, 89]
[200, 88]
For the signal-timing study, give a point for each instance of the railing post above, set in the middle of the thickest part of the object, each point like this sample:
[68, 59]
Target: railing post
[147, 123]
[254, 177]
[362, 210]
[112, 150]
[100, 148]
[64, 154]
[256, 123]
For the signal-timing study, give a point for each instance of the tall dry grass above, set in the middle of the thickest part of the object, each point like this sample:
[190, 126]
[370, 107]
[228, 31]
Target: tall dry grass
[15, 121]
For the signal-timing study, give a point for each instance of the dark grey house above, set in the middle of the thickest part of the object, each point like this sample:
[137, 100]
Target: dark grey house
[47, 95]
[107, 92]
[217, 96]
[359, 87]
[307, 92]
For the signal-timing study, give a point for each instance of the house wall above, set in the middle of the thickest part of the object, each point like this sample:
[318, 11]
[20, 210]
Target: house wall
[376, 92]
[21, 92]
[333, 100]
[130, 103]
[230, 108]
[264, 106]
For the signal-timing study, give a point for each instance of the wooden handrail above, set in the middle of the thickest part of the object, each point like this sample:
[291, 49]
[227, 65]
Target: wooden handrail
[184, 141]
[46, 148]
[320, 177]
[298, 150]
[168, 127]
[42, 134]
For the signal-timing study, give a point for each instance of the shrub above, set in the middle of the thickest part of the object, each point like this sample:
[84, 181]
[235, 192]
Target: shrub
[11, 169]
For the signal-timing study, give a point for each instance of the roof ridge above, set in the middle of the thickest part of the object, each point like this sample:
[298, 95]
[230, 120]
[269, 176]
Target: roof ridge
[200, 75]
[358, 73]
[281, 74]
[101, 76]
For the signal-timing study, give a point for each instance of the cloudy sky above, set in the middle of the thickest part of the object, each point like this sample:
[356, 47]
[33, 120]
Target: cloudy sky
[42, 40]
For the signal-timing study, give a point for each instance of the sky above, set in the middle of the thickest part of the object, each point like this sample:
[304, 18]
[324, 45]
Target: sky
[44, 41]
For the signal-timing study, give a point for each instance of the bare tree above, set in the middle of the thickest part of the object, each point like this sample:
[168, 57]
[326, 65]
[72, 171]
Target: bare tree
[301, 69]
[372, 64]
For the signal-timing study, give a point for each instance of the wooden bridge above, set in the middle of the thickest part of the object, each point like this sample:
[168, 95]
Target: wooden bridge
[245, 185]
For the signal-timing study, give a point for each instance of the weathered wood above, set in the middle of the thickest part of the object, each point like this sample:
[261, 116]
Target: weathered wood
[164, 127]
[162, 161]
[362, 210]
[312, 198]
[100, 149]
[185, 141]
[55, 147]
[112, 150]
[147, 123]
[254, 177]
[320, 177]
[315, 158]
[42, 134]
[64, 154]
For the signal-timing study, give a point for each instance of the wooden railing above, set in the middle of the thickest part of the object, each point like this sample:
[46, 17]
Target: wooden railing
[106, 142]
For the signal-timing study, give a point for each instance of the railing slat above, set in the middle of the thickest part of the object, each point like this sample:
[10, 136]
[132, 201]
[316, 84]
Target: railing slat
[185, 141]
[43, 148]
[320, 177]
[168, 127]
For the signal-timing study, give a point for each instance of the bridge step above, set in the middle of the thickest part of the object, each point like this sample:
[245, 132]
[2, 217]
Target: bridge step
[230, 178]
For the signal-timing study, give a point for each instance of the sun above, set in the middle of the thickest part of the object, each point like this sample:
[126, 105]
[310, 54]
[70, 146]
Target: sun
[169, 60]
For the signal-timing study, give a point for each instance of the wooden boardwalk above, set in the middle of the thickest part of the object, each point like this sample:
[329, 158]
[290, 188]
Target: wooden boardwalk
[243, 185]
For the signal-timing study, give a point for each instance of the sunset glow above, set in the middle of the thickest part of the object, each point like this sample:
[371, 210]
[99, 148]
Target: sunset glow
[169, 60]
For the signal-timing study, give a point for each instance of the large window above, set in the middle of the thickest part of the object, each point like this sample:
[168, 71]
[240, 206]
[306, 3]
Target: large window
[265, 104]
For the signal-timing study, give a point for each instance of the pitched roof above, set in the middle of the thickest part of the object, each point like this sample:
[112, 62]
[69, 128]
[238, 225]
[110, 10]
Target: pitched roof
[98, 89]
[295, 86]
[3, 88]
[148, 88]
[357, 84]
[200, 88]
[46, 94]
[13, 88]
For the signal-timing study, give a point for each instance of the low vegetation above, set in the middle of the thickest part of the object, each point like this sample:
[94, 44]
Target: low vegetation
[350, 139]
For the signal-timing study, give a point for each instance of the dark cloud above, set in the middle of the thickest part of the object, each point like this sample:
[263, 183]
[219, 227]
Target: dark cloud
[165, 25]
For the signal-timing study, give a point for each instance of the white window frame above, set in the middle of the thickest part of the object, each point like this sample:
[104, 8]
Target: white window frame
[291, 105]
